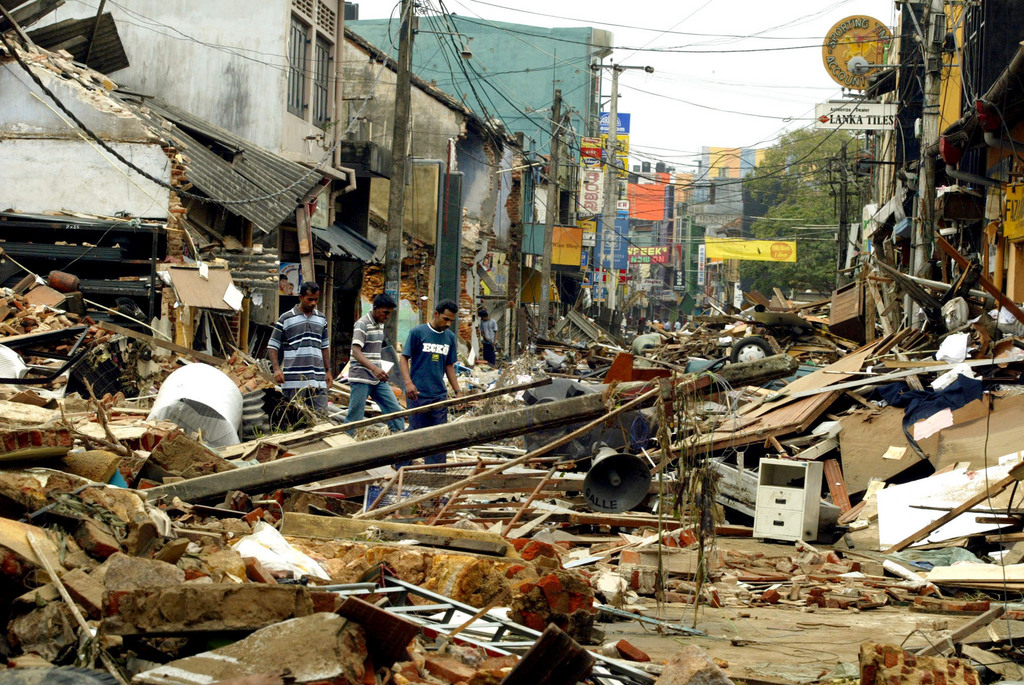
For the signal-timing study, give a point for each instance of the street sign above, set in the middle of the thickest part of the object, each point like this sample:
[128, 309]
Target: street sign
[623, 126]
[855, 115]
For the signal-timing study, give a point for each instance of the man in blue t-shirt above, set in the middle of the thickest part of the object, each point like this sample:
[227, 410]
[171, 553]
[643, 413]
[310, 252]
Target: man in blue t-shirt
[428, 357]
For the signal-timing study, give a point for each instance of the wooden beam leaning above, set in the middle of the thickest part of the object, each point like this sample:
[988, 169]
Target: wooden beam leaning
[157, 342]
[487, 394]
[644, 398]
[983, 280]
[336, 461]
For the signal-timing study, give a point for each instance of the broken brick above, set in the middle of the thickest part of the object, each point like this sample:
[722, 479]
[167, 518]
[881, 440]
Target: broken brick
[630, 652]
[449, 669]
[96, 539]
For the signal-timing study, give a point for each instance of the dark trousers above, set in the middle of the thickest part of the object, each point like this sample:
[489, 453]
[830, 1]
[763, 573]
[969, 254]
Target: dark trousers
[433, 417]
[489, 355]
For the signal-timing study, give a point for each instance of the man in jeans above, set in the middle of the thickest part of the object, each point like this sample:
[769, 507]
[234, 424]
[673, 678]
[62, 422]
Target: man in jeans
[366, 374]
[429, 357]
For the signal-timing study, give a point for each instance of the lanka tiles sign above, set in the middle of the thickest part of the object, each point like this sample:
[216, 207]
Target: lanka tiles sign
[854, 115]
[566, 243]
[751, 250]
[648, 255]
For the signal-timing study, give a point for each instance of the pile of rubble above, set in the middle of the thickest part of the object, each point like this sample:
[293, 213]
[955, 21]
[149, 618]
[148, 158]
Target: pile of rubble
[591, 494]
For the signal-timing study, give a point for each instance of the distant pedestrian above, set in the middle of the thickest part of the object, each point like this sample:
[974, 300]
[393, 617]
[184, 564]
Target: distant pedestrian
[488, 328]
[678, 326]
[301, 336]
[428, 357]
[366, 375]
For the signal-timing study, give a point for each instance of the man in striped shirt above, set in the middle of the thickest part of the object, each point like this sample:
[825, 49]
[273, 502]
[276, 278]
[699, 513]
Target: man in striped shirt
[366, 373]
[301, 333]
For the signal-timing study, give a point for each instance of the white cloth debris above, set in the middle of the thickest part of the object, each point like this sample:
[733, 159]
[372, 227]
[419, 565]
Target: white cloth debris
[953, 349]
[270, 548]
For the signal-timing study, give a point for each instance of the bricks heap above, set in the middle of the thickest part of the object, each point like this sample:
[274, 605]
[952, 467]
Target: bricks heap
[890, 665]
[562, 598]
[26, 439]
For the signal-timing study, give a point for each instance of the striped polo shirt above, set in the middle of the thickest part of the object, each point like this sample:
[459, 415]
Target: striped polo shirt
[302, 340]
[369, 335]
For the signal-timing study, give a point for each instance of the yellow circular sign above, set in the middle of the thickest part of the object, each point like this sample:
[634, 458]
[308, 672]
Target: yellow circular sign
[863, 39]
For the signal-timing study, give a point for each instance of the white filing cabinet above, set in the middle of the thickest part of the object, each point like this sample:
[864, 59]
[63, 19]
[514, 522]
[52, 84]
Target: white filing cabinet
[788, 500]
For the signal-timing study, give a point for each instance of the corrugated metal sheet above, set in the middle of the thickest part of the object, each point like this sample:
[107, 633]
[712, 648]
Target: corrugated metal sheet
[252, 171]
[343, 241]
[73, 35]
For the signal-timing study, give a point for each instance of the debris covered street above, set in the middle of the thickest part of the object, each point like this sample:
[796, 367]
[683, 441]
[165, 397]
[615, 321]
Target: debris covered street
[326, 359]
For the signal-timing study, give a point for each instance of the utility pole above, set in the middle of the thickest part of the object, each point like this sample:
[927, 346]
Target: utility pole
[611, 179]
[934, 26]
[611, 190]
[550, 213]
[399, 169]
[844, 220]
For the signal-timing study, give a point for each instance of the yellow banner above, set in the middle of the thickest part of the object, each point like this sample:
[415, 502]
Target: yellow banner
[751, 250]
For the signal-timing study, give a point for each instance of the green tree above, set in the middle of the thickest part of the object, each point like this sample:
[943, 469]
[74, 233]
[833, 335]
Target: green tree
[796, 186]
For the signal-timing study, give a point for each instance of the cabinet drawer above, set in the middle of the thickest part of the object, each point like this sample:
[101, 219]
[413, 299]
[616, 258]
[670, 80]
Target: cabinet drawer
[779, 524]
[780, 498]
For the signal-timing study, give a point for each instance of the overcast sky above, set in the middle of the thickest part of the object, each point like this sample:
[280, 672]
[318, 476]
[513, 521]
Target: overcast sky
[754, 69]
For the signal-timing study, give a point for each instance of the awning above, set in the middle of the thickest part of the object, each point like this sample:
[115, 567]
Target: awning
[338, 240]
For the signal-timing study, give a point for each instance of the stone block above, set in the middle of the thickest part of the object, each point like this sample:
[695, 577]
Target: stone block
[121, 572]
[208, 607]
[321, 648]
[692, 664]
[85, 590]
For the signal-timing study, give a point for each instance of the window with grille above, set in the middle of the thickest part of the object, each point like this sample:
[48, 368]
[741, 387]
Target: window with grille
[297, 68]
[321, 74]
[325, 18]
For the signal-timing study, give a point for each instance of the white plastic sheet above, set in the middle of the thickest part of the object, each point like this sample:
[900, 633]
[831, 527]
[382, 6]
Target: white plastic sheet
[270, 548]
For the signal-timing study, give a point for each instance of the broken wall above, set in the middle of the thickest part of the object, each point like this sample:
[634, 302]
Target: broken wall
[45, 166]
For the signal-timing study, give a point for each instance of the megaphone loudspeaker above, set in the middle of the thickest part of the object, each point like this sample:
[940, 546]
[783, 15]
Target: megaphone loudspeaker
[616, 482]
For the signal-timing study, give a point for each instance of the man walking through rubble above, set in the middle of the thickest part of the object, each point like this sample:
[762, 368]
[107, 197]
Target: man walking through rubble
[429, 355]
[488, 328]
[301, 335]
[367, 375]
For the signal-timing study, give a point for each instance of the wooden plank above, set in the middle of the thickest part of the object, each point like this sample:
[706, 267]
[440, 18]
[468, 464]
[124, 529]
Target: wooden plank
[836, 486]
[815, 451]
[983, 280]
[554, 659]
[965, 630]
[391, 632]
[342, 528]
[205, 293]
[336, 461]
[879, 307]
[1015, 475]
[156, 342]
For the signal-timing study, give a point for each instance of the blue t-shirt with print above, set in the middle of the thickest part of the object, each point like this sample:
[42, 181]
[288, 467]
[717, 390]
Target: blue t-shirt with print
[429, 352]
